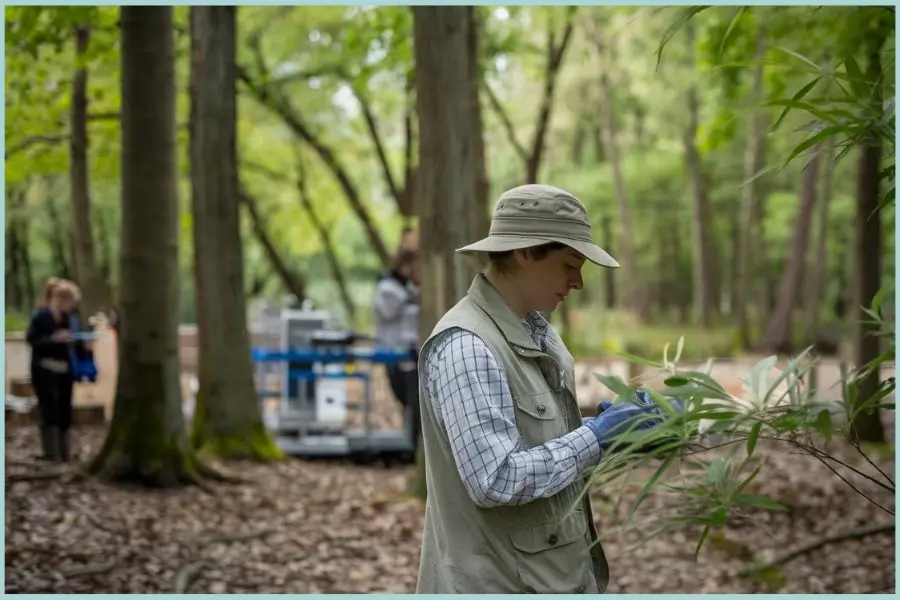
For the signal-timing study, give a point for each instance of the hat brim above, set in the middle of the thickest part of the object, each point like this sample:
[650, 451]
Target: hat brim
[591, 252]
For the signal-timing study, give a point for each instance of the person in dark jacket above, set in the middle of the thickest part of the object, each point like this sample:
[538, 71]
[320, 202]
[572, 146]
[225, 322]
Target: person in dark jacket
[52, 345]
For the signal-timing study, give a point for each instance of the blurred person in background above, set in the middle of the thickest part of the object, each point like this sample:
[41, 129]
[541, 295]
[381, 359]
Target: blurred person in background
[53, 351]
[396, 307]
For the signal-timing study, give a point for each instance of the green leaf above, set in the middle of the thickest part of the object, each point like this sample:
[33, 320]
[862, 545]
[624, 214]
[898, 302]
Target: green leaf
[750, 478]
[757, 501]
[700, 542]
[795, 99]
[716, 472]
[823, 425]
[751, 439]
[649, 485]
[616, 384]
[684, 15]
[676, 381]
[811, 141]
[858, 81]
[643, 361]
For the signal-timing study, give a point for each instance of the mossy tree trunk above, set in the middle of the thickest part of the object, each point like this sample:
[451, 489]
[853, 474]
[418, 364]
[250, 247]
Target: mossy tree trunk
[147, 440]
[228, 421]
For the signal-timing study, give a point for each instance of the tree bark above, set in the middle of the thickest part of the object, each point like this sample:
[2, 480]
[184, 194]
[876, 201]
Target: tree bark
[447, 170]
[778, 332]
[817, 261]
[704, 271]
[749, 236]
[632, 290]
[93, 287]
[228, 420]
[867, 427]
[147, 440]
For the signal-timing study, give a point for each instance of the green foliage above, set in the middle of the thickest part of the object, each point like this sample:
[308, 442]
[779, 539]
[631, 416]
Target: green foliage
[777, 406]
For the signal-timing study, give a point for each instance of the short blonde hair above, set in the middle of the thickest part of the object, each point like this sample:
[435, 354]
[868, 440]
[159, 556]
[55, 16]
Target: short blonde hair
[63, 288]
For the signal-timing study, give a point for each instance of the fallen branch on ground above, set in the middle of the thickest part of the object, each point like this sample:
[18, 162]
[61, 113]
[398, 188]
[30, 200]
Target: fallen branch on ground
[852, 534]
[94, 569]
[186, 575]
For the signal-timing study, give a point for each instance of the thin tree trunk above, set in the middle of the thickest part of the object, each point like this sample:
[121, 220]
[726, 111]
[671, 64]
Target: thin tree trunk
[94, 294]
[147, 440]
[749, 236]
[15, 293]
[778, 332]
[704, 271]
[817, 261]
[59, 237]
[228, 420]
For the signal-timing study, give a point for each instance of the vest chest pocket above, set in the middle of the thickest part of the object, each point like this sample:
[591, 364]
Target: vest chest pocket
[538, 418]
[554, 557]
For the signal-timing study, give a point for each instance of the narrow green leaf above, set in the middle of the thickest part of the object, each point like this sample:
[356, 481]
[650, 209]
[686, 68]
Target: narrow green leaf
[800, 57]
[824, 426]
[758, 501]
[616, 384]
[732, 24]
[649, 485]
[753, 437]
[743, 485]
[858, 81]
[643, 361]
[796, 98]
[684, 15]
[822, 135]
[700, 542]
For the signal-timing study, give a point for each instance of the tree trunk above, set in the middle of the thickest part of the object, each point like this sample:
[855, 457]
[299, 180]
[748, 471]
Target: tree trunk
[867, 346]
[632, 289]
[817, 261]
[748, 235]
[228, 421]
[59, 237]
[447, 171]
[15, 294]
[609, 274]
[93, 287]
[482, 215]
[778, 332]
[704, 271]
[147, 440]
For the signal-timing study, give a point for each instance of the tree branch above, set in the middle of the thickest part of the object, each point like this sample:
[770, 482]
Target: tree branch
[293, 281]
[555, 55]
[372, 126]
[327, 246]
[853, 534]
[504, 120]
[269, 97]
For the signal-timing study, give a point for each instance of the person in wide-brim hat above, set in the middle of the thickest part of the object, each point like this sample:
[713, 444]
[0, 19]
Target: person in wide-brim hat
[505, 445]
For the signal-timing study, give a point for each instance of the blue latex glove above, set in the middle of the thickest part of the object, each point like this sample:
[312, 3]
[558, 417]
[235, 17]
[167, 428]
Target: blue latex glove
[615, 419]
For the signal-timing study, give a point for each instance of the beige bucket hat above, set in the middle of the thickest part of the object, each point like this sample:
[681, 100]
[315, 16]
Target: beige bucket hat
[535, 214]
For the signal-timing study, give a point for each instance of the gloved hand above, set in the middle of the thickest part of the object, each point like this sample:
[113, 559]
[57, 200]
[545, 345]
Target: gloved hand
[615, 419]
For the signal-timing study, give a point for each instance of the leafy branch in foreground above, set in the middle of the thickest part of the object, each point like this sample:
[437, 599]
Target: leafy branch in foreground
[703, 454]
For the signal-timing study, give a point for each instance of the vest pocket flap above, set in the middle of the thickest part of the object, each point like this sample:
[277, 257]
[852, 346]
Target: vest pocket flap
[548, 536]
[539, 406]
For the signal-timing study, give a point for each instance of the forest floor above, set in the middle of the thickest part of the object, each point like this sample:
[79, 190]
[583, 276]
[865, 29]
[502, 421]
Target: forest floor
[334, 527]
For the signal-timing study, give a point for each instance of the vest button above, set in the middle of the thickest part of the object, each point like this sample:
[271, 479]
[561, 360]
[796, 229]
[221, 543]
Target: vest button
[541, 409]
[552, 539]
[581, 589]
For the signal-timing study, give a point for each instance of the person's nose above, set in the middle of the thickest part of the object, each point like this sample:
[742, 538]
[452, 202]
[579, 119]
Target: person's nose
[576, 282]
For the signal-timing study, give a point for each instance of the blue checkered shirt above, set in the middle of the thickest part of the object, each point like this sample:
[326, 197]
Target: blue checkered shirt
[471, 399]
